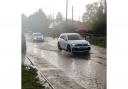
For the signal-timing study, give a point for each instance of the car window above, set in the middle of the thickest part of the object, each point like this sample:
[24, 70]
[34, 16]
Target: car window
[37, 34]
[74, 37]
[63, 37]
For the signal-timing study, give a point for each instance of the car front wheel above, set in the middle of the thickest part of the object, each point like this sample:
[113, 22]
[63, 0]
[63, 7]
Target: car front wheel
[68, 48]
[59, 46]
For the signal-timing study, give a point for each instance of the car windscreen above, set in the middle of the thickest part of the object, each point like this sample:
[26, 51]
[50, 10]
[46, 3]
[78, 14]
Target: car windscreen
[37, 34]
[74, 37]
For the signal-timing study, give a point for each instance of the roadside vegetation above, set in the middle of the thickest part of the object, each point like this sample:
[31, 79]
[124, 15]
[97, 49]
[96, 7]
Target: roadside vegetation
[95, 15]
[94, 21]
[29, 78]
[98, 41]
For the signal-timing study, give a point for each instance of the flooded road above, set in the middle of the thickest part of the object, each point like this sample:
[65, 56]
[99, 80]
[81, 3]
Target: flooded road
[69, 71]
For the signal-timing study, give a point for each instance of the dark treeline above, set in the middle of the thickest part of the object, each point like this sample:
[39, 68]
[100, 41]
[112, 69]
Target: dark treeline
[40, 22]
[37, 22]
[94, 19]
[95, 15]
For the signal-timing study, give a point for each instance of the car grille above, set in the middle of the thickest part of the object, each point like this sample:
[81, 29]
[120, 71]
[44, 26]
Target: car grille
[81, 45]
[81, 49]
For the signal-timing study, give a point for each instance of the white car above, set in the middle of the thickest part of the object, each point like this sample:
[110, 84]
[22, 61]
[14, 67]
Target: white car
[37, 37]
[73, 42]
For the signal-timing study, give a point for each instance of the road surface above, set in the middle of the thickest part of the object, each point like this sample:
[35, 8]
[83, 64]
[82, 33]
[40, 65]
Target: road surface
[67, 71]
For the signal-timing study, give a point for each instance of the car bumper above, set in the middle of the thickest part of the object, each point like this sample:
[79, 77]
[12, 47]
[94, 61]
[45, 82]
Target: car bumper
[81, 49]
[38, 39]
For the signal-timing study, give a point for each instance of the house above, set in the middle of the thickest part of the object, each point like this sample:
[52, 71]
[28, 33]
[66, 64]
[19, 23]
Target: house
[81, 26]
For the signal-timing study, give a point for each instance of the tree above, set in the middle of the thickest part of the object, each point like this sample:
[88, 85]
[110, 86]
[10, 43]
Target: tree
[95, 15]
[59, 17]
[24, 23]
[91, 10]
[38, 22]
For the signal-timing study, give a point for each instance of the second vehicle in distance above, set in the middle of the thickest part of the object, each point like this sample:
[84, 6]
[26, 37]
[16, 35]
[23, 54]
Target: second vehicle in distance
[73, 42]
[37, 37]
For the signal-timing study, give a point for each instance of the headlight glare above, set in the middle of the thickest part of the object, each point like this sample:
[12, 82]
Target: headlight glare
[88, 43]
[73, 44]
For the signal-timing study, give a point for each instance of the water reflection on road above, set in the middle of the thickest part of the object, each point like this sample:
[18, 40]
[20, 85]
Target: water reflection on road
[89, 70]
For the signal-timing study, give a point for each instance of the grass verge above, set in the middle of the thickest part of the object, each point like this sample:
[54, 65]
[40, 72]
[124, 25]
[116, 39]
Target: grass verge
[99, 41]
[29, 78]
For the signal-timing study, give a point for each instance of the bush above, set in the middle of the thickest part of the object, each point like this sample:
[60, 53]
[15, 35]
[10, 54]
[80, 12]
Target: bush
[29, 78]
[99, 41]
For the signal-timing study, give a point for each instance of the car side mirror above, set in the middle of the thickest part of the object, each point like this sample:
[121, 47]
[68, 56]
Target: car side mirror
[65, 39]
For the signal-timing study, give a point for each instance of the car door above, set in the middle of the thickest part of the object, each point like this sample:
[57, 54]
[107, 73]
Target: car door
[64, 42]
[61, 41]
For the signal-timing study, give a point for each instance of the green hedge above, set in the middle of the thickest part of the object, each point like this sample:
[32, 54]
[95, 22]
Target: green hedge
[99, 41]
[29, 78]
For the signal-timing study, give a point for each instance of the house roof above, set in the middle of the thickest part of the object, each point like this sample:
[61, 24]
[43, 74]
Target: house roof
[81, 25]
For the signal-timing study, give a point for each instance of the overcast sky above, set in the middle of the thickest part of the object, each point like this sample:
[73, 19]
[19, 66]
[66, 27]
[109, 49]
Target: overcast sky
[54, 6]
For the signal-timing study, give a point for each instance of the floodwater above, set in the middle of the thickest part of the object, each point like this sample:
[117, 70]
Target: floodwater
[69, 71]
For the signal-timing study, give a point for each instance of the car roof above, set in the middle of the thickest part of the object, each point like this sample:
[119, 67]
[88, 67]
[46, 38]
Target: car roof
[36, 33]
[69, 34]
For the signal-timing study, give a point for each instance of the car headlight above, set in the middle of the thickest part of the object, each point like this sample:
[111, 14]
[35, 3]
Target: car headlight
[88, 43]
[73, 44]
[35, 38]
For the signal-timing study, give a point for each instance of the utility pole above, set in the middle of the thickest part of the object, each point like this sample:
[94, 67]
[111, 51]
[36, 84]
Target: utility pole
[53, 20]
[53, 26]
[79, 18]
[66, 11]
[72, 16]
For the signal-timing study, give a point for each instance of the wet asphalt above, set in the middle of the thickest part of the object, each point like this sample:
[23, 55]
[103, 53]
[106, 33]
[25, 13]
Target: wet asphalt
[69, 71]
